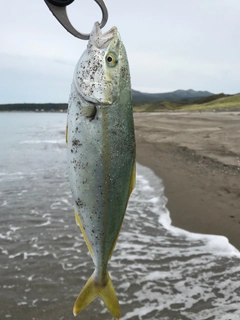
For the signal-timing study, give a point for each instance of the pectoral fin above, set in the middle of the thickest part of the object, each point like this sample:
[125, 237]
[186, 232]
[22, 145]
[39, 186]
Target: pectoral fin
[89, 112]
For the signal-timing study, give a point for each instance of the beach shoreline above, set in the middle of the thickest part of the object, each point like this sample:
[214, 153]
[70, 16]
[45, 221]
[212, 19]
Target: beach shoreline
[197, 157]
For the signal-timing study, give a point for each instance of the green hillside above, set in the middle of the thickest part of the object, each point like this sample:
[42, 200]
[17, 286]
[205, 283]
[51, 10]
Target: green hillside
[229, 103]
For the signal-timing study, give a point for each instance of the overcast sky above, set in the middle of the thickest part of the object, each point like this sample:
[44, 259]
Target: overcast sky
[173, 44]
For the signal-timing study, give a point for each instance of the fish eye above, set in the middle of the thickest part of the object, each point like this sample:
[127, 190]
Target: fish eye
[111, 59]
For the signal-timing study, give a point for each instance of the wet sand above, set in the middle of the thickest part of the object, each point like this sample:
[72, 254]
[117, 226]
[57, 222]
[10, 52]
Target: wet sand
[198, 157]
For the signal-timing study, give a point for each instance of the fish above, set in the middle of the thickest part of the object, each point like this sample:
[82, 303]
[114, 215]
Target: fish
[101, 155]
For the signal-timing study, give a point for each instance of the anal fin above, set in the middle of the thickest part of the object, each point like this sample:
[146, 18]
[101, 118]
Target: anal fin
[66, 134]
[79, 223]
[133, 180]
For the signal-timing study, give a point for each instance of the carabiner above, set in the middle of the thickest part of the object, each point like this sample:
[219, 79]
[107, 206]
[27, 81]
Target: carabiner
[58, 9]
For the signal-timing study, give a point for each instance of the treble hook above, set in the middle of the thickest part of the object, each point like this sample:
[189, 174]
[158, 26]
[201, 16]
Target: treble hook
[58, 9]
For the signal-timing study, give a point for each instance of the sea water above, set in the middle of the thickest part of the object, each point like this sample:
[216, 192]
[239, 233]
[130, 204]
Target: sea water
[158, 271]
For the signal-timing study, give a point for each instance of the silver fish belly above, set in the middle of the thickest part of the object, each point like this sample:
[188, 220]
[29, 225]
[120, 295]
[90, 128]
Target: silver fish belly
[101, 155]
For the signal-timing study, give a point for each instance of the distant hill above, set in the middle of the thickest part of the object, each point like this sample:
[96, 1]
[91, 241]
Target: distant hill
[211, 98]
[180, 96]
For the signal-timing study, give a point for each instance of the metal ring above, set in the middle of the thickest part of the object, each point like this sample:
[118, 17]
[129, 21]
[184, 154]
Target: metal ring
[60, 3]
[60, 13]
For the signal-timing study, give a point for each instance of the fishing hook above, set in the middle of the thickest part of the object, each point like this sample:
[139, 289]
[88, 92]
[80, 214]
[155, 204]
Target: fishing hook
[58, 9]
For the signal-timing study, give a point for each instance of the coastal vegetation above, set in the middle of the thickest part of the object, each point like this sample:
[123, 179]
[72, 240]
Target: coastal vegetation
[35, 107]
[180, 100]
[214, 103]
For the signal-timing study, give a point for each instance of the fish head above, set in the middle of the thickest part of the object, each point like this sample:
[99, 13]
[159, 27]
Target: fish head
[102, 72]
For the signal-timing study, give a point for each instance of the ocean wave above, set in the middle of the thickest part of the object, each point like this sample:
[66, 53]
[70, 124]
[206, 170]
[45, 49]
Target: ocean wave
[62, 141]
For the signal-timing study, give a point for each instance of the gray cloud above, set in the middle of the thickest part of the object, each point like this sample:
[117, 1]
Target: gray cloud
[171, 45]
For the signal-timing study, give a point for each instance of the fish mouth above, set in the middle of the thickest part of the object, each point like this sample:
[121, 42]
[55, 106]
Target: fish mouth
[102, 40]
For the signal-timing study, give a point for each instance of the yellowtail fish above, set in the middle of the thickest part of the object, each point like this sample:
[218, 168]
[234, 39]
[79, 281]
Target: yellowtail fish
[101, 155]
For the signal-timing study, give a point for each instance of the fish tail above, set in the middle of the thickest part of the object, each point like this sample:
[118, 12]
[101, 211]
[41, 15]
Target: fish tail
[92, 290]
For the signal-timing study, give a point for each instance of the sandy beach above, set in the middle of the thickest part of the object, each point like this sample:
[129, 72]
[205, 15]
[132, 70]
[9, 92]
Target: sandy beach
[198, 157]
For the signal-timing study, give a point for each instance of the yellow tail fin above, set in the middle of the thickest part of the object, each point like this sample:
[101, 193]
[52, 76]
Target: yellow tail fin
[92, 290]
